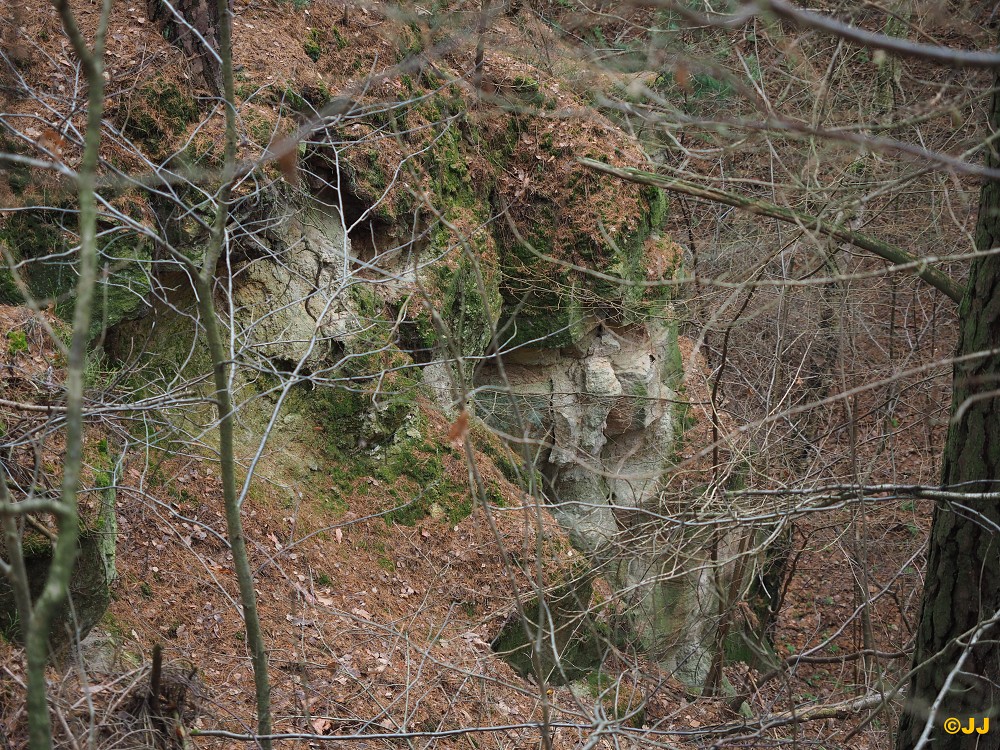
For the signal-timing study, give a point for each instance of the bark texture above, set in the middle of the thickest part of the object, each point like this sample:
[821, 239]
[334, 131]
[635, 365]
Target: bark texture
[962, 587]
[201, 16]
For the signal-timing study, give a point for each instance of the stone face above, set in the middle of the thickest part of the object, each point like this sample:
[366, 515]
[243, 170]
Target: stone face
[601, 414]
[291, 303]
[603, 420]
[101, 652]
[89, 588]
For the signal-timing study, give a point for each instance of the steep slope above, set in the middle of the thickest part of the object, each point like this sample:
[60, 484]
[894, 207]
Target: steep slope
[428, 258]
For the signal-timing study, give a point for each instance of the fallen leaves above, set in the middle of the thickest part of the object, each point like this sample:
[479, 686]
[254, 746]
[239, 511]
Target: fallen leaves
[320, 725]
[460, 428]
[288, 163]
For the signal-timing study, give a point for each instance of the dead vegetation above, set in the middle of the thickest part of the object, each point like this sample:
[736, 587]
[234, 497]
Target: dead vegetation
[380, 628]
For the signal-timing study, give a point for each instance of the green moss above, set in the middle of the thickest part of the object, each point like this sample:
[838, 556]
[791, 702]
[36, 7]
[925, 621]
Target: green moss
[312, 46]
[340, 412]
[258, 126]
[658, 206]
[425, 333]
[292, 99]
[17, 341]
[552, 326]
[572, 643]
[673, 365]
[244, 84]
[485, 441]
[385, 442]
[9, 293]
[121, 294]
[364, 301]
[547, 297]
[527, 90]
[156, 114]
[89, 588]
[627, 261]
[417, 462]
[704, 86]
[410, 43]
[471, 303]
[35, 238]
[307, 99]
[31, 236]
[338, 39]
[447, 161]
[18, 176]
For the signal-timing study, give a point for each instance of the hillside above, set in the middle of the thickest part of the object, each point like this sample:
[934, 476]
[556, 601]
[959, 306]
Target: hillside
[525, 454]
[382, 576]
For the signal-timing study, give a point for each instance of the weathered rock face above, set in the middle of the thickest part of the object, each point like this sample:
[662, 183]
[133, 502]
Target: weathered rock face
[600, 414]
[601, 411]
[291, 304]
[597, 401]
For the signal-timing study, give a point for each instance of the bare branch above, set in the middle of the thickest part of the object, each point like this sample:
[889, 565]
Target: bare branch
[932, 276]
[899, 46]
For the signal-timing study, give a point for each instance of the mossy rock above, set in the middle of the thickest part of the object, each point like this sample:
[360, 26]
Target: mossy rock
[573, 642]
[547, 302]
[341, 411]
[471, 302]
[412, 470]
[536, 230]
[38, 240]
[31, 236]
[122, 293]
[89, 590]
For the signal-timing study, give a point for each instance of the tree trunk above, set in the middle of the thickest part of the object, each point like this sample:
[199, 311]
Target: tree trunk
[962, 587]
[203, 17]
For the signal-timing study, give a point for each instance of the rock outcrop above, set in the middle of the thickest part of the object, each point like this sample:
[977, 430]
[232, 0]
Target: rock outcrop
[291, 303]
[474, 246]
[600, 417]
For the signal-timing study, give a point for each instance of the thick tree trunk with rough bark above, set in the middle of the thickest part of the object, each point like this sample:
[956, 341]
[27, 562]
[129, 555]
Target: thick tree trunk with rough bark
[962, 588]
[203, 17]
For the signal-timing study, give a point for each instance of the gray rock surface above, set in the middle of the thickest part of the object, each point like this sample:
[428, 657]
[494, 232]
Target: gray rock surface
[292, 303]
[602, 417]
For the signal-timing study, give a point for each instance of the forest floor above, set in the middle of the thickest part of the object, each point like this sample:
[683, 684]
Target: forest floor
[384, 628]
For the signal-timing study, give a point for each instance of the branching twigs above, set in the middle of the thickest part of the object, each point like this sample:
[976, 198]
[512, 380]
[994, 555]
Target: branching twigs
[770, 721]
[807, 713]
[221, 365]
[796, 659]
[215, 281]
[64, 553]
[40, 408]
[954, 58]
[932, 276]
